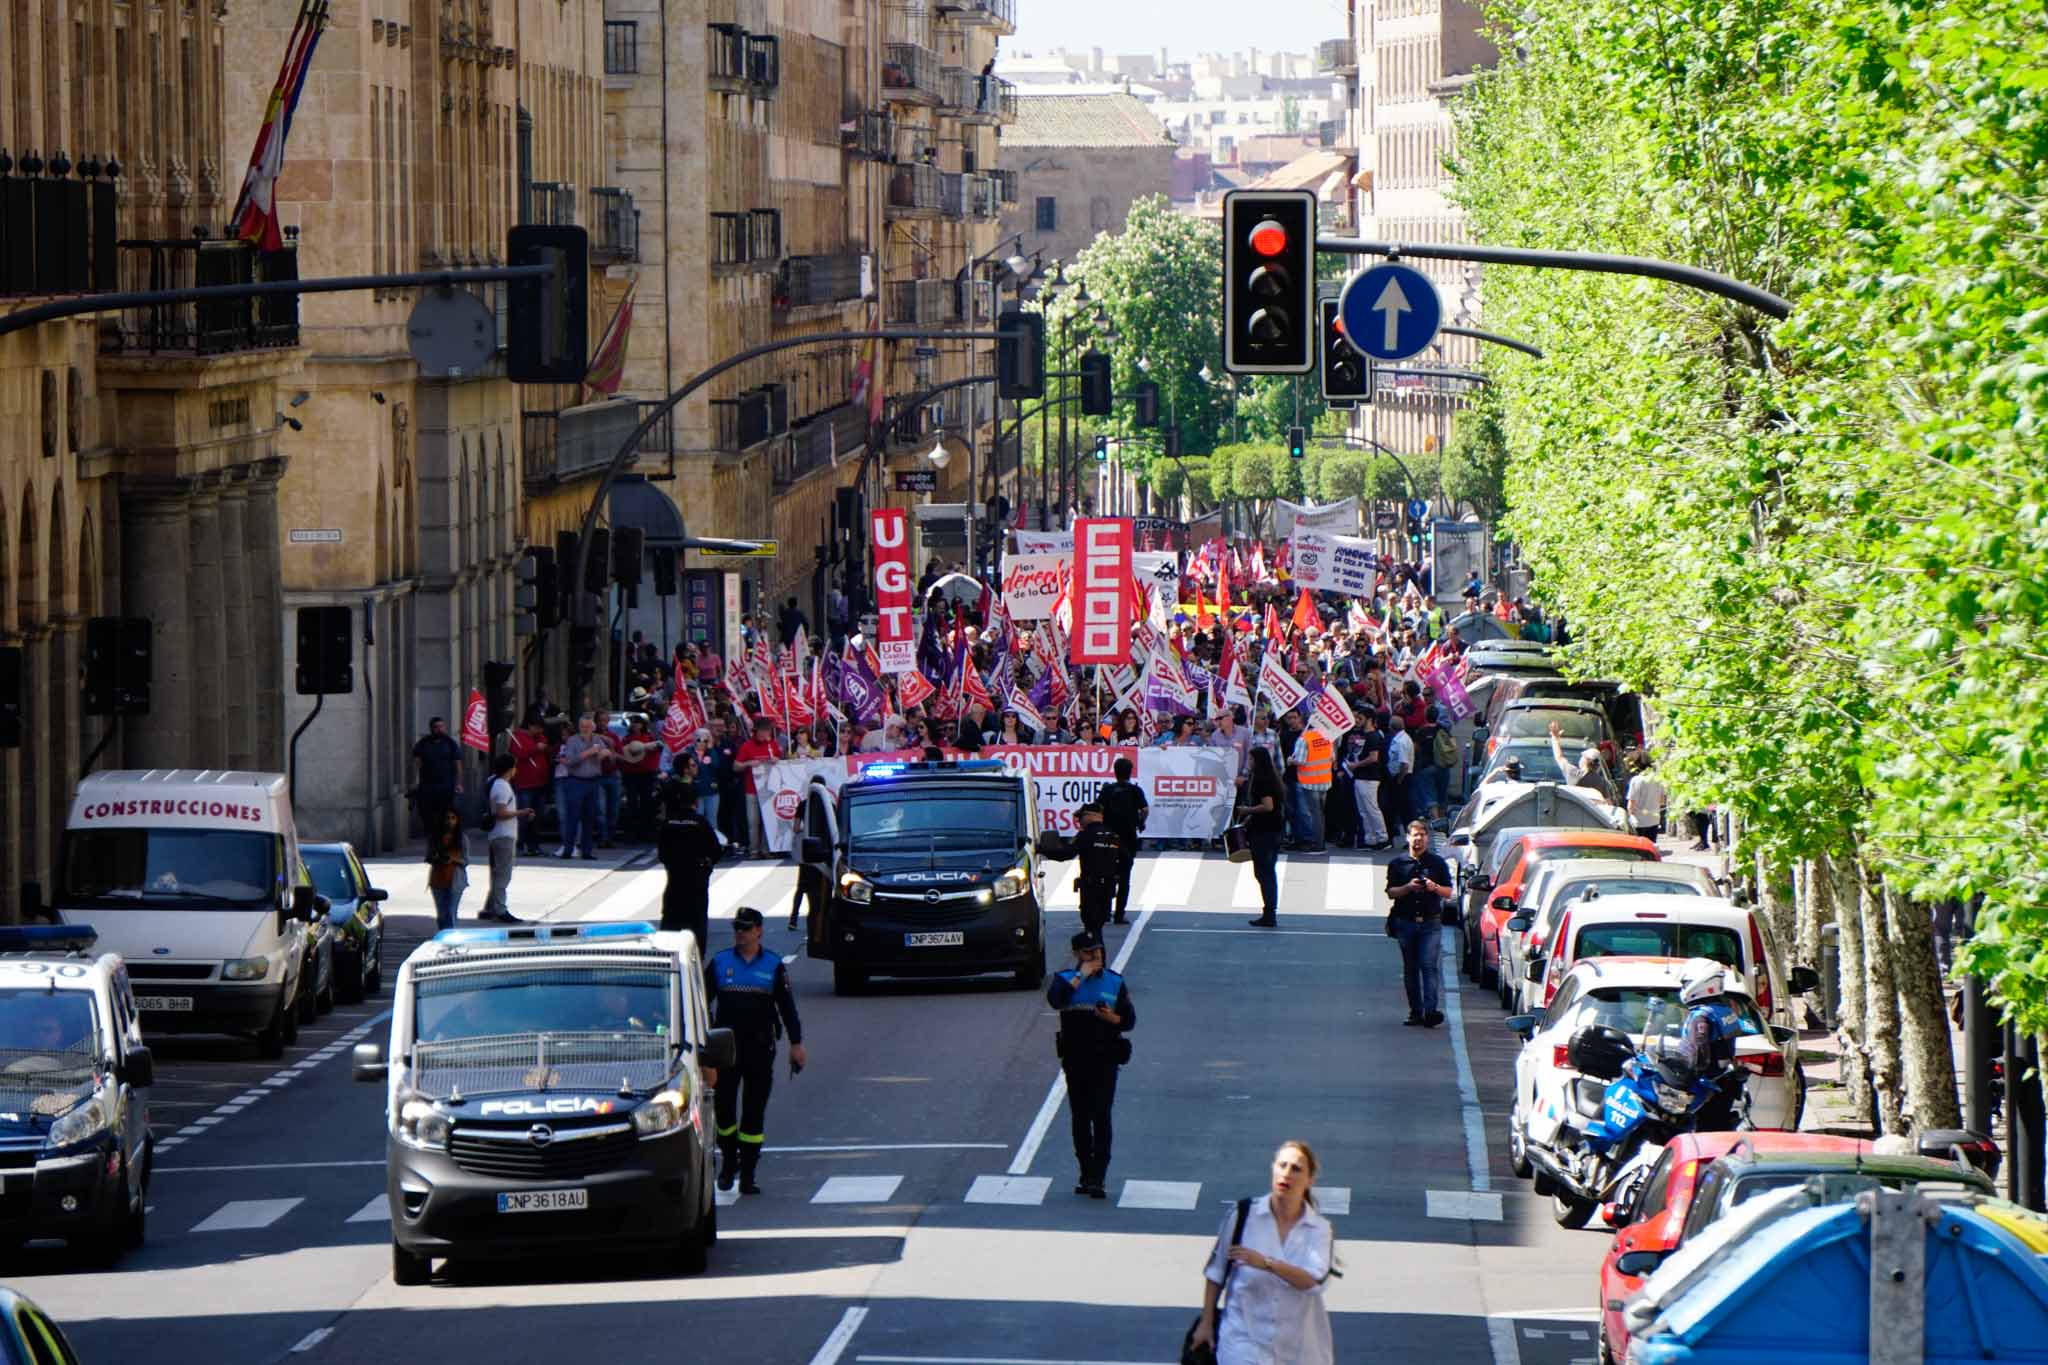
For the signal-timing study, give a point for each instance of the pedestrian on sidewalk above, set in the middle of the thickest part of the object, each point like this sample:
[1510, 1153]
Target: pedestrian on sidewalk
[757, 753]
[579, 765]
[1095, 1013]
[1272, 1256]
[611, 787]
[533, 778]
[448, 866]
[436, 775]
[688, 848]
[507, 816]
[1265, 822]
[1418, 883]
[640, 768]
[1645, 799]
[1314, 761]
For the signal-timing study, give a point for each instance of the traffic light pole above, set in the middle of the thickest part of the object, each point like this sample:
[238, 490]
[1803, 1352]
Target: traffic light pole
[1493, 338]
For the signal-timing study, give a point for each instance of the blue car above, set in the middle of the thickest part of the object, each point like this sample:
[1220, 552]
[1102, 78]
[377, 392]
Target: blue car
[354, 913]
[28, 1336]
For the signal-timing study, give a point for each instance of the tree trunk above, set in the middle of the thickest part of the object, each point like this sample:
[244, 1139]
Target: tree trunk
[1775, 897]
[1835, 893]
[1812, 912]
[1930, 1059]
[1881, 1003]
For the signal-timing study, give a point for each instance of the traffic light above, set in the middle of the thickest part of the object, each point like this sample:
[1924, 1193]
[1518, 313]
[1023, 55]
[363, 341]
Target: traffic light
[1020, 354]
[1297, 442]
[548, 321]
[1147, 394]
[1171, 437]
[583, 652]
[1096, 398]
[326, 652]
[664, 571]
[117, 654]
[1102, 450]
[547, 588]
[1269, 281]
[629, 554]
[526, 596]
[1343, 365]
[499, 694]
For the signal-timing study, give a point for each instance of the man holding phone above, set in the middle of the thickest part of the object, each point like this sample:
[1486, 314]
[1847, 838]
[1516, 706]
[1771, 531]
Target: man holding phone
[1095, 1013]
[1418, 884]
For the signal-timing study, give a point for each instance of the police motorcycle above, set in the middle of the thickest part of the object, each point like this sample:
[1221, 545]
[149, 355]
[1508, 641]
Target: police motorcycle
[1633, 1100]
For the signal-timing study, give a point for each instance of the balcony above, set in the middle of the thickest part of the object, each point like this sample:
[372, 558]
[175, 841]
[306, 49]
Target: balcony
[560, 441]
[744, 63]
[746, 243]
[984, 200]
[952, 194]
[820, 441]
[622, 47]
[1336, 55]
[1000, 15]
[913, 192]
[923, 303]
[912, 74]
[1006, 187]
[550, 203]
[871, 136]
[614, 226]
[217, 327]
[57, 235]
[815, 281]
[988, 100]
[751, 418]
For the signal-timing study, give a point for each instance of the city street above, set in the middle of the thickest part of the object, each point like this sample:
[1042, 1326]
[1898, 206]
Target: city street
[917, 1201]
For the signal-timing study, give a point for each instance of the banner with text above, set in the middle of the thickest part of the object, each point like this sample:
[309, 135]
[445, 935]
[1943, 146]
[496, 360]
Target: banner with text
[1102, 577]
[1031, 584]
[1331, 518]
[1334, 563]
[1044, 542]
[889, 536]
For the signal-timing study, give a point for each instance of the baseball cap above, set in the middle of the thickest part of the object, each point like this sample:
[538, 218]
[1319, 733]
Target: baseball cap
[746, 917]
[1084, 941]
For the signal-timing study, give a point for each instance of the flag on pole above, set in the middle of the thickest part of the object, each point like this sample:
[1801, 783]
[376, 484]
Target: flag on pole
[476, 729]
[255, 217]
[608, 361]
[1305, 618]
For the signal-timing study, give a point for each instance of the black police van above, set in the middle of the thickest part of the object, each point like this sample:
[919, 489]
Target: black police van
[933, 871]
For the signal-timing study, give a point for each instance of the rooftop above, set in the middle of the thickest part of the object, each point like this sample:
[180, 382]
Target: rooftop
[1064, 120]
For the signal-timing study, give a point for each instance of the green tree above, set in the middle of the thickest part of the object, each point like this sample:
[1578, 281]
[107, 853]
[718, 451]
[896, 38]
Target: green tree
[1474, 468]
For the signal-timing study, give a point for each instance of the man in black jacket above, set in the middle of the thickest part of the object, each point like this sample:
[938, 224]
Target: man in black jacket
[1124, 809]
[1418, 884]
[1100, 851]
[688, 847]
[1095, 1013]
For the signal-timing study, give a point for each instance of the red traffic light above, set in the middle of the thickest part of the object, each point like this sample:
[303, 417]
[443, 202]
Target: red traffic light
[1269, 238]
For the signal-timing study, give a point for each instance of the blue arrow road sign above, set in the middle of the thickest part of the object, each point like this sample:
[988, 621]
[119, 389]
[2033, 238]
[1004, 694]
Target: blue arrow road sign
[1417, 509]
[1391, 312]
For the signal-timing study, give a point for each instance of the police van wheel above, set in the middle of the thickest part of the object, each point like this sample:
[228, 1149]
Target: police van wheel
[693, 1253]
[1027, 978]
[848, 980]
[309, 1003]
[270, 1043]
[409, 1269]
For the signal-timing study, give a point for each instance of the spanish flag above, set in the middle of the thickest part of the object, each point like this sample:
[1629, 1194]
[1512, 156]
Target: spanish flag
[608, 362]
[255, 216]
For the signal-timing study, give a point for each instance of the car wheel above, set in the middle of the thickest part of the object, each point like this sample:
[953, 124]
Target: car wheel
[348, 977]
[1569, 1212]
[323, 1003]
[136, 1228]
[374, 982]
[270, 1043]
[409, 1269]
[1489, 978]
[309, 1003]
[847, 980]
[1518, 1148]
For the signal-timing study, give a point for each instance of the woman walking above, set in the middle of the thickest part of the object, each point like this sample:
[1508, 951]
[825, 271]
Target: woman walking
[1274, 1275]
[448, 864]
[1265, 804]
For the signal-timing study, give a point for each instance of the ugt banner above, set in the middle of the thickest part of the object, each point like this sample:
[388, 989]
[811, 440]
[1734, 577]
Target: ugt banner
[889, 535]
[1102, 579]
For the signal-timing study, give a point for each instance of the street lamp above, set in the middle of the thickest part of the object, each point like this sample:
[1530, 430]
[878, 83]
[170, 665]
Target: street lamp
[938, 455]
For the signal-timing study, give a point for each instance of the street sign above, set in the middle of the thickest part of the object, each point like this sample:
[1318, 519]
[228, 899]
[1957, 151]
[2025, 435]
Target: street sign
[1391, 312]
[1386, 519]
[764, 549]
[917, 481]
[1418, 510]
[452, 333]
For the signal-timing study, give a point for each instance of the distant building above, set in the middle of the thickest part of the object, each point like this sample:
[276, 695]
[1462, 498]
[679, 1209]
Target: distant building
[1080, 161]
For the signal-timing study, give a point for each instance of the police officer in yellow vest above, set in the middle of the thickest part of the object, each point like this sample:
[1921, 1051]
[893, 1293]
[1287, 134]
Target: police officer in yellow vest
[1095, 1013]
[748, 987]
[1315, 760]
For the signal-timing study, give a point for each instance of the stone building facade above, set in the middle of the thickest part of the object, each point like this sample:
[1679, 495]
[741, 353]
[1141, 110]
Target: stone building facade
[1080, 162]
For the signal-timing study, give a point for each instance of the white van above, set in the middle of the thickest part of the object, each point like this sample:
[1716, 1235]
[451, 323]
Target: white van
[194, 878]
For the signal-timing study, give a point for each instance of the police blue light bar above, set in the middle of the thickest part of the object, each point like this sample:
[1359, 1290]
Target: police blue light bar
[26, 938]
[545, 933]
[885, 770]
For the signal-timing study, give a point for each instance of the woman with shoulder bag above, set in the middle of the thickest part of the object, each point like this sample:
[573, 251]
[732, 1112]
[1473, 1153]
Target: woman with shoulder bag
[448, 864]
[1262, 1289]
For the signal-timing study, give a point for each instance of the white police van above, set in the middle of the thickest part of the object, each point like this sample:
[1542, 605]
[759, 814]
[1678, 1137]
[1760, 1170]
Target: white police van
[545, 1093]
[75, 1149]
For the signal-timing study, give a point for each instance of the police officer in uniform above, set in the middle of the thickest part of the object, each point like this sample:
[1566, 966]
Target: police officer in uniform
[1124, 809]
[1101, 853]
[689, 848]
[749, 993]
[1707, 1042]
[1095, 1013]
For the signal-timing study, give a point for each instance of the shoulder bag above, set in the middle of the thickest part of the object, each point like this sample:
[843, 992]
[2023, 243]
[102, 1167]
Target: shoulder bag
[1237, 843]
[1191, 1354]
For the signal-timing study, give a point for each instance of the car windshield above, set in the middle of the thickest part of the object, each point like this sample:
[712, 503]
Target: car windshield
[1660, 938]
[1651, 1011]
[331, 876]
[565, 1000]
[976, 819]
[166, 867]
[1620, 886]
[1539, 765]
[48, 1053]
[1577, 727]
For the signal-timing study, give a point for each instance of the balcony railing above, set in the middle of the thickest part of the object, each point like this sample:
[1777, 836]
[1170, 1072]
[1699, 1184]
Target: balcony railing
[912, 74]
[622, 47]
[214, 327]
[808, 281]
[657, 440]
[1336, 54]
[1006, 187]
[57, 235]
[764, 62]
[743, 61]
[997, 14]
[914, 192]
[872, 136]
[923, 303]
[751, 418]
[952, 194]
[820, 441]
[560, 440]
[982, 99]
[983, 199]
[614, 226]
[753, 238]
[550, 203]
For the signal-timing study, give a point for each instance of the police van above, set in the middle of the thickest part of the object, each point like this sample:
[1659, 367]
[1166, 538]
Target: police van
[934, 872]
[194, 878]
[75, 1148]
[545, 1092]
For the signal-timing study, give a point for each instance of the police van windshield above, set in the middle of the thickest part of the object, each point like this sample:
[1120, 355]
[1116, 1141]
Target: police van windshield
[569, 1000]
[167, 867]
[955, 818]
[45, 1021]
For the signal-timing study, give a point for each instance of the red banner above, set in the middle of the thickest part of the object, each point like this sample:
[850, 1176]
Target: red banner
[1102, 576]
[889, 539]
[476, 725]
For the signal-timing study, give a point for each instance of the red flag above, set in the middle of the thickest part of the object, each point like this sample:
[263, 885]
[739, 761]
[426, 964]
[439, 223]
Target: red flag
[916, 689]
[675, 726]
[1276, 634]
[608, 363]
[1305, 618]
[476, 725]
[1223, 589]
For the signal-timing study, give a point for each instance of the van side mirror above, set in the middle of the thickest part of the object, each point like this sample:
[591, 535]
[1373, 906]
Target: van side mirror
[1534, 972]
[1782, 1035]
[141, 1067]
[1504, 904]
[721, 1050]
[321, 905]
[367, 1062]
[376, 893]
[1637, 1264]
[1521, 923]
[1521, 1025]
[1800, 980]
[303, 898]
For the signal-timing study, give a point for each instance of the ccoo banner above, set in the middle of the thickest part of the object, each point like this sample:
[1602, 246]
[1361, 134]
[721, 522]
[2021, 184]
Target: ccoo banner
[889, 533]
[1031, 584]
[1334, 563]
[1102, 578]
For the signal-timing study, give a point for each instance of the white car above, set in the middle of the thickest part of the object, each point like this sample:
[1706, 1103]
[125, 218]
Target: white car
[1639, 997]
[1554, 885]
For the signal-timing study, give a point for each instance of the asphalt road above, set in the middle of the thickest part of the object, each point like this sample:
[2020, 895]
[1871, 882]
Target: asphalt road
[917, 1202]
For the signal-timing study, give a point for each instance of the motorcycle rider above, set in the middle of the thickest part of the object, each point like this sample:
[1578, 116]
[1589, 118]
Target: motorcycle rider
[1707, 1042]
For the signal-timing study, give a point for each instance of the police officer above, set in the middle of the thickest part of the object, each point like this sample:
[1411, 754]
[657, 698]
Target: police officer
[1100, 851]
[1095, 1013]
[749, 992]
[689, 848]
[1707, 1042]
[1124, 809]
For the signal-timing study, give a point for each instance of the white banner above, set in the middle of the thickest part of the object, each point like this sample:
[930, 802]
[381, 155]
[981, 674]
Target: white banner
[1334, 563]
[1330, 715]
[1189, 790]
[1159, 571]
[1332, 518]
[1045, 543]
[1277, 687]
[1031, 584]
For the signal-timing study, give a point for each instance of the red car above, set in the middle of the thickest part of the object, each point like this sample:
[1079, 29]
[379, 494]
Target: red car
[1658, 1217]
[1504, 897]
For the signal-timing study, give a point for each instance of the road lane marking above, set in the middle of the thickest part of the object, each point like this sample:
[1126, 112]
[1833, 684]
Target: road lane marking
[1027, 1151]
[240, 1215]
[842, 1337]
[1160, 1194]
[1500, 1334]
[725, 1199]
[1333, 1200]
[857, 1189]
[1469, 1205]
[312, 1339]
[1244, 892]
[732, 890]
[274, 1166]
[900, 1147]
[1250, 932]
[1172, 881]
[1008, 1189]
[989, 1360]
[641, 892]
[378, 1210]
[1468, 1089]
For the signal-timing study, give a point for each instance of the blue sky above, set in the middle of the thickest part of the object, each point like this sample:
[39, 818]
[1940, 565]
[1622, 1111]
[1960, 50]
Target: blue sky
[1186, 27]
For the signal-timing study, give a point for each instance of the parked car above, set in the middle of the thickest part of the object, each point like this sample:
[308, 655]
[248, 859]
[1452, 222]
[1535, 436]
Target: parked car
[356, 915]
[1582, 725]
[1556, 883]
[1538, 764]
[316, 972]
[1492, 899]
[29, 1336]
[1624, 709]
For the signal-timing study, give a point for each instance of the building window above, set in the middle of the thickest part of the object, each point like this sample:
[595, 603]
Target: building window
[1048, 213]
[1098, 214]
[51, 416]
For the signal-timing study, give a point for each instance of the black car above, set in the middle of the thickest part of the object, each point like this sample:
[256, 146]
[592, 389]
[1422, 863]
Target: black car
[355, 915]
[933, 871]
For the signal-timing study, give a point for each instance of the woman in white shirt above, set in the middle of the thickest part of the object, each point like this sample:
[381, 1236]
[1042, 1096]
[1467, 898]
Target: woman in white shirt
[1274, 1312]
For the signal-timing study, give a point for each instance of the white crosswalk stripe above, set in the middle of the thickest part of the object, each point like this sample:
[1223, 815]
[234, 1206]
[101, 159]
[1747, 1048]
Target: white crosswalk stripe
[378, 1210]
[857, 1189]
[242, 1215]
[1159, 1194]
[1171, 881]
[1008, 1189]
